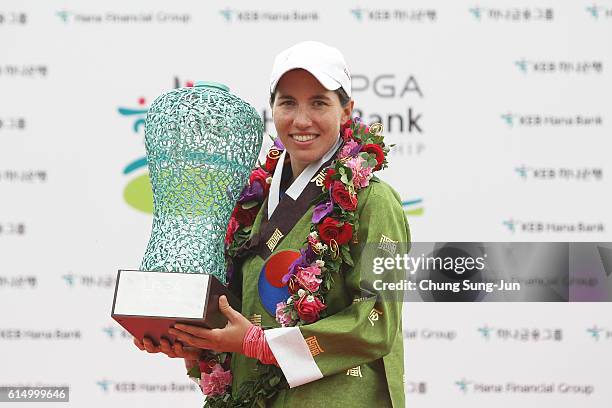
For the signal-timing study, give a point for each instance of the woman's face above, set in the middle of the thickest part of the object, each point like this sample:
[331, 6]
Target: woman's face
[307, 116]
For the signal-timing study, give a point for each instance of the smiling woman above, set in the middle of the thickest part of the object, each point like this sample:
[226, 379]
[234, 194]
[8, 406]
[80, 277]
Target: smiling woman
[312, 330]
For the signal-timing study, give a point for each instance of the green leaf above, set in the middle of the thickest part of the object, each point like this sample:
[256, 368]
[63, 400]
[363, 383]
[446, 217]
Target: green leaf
[250, 205]
[194, 372]
[346, 255]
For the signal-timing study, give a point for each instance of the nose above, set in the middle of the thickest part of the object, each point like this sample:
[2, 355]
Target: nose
[302, 119]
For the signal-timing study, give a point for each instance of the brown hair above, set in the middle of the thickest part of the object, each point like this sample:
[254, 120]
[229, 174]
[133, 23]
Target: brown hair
[344, 98]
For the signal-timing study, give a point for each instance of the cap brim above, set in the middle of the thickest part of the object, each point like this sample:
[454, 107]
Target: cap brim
[328, 82]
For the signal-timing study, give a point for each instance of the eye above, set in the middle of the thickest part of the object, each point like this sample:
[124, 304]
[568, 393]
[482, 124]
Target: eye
[319, 103]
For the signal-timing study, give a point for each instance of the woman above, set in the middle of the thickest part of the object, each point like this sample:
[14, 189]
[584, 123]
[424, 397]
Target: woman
[300, 266]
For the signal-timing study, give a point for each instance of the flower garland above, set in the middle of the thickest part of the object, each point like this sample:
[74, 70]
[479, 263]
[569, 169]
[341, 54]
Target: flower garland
[309, 278]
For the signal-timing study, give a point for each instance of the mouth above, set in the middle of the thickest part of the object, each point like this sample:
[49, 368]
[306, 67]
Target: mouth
[304, 138]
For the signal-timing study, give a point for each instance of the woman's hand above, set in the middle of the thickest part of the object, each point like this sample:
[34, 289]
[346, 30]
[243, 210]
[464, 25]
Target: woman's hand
[228, 339]
[175, 350]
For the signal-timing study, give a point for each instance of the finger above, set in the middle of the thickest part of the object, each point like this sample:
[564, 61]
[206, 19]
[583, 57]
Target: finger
[177, 347]
[190, 339]
[191, 353]
[195, 330]
[149, 346]
[166, 348]
[139, 344]
[226, 309]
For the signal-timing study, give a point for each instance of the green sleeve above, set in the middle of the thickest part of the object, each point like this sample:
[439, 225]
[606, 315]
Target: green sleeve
[368, 327]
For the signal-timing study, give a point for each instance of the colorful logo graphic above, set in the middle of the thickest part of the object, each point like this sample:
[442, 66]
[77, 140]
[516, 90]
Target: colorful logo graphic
[476, 12]
[521, 64]
[463, 385]
[271, 288]
[69, 280]
[594, 332]
[63, 15]
[521, 171]
[508, 118]
[103, 385]
[357, 13]
[227, 14]
[485, 331]
[413, 208]
[137, 193]
[510, 224]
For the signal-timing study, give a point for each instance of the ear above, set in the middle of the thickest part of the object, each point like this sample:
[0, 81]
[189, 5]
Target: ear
[347, 111]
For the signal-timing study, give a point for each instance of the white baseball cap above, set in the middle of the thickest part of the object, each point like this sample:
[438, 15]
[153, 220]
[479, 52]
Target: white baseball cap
[324, 62]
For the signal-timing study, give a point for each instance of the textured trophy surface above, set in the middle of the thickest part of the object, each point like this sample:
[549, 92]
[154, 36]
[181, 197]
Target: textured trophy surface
[202, 143]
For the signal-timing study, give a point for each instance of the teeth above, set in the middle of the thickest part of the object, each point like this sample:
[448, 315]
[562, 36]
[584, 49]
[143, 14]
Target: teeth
[304, 138]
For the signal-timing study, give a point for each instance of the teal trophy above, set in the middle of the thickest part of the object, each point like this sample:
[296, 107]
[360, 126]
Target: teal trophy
[202, 143]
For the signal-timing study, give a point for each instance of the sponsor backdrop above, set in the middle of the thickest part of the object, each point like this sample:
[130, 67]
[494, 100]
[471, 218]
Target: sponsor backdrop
[499, 111]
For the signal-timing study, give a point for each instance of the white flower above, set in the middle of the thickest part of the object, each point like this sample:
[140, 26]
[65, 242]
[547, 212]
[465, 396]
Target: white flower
[314, 234]
[320, 263]
[310, 298]
[290, 300]
[301, 292]
[320, 247]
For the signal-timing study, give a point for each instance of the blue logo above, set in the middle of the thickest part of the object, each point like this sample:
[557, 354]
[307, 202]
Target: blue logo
[593, 11]
[69, 280]
[63, 15]
[462, 384]
[227, 14]
[103, 385]
[413, 208]
[510, 224]
[485, 331]
[594, 332]
[509, 119]
[522, 65]
[357, 13]
[476, 12]
[521, 171]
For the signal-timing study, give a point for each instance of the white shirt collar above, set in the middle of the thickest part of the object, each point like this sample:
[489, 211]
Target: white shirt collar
[300, 183]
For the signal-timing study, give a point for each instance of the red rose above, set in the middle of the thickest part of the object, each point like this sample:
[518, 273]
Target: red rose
[328, 178]
[232, 227]
[245, 217]
[272, 160]
[347, 134]
[330, 229]
[343, 197]
[377, 151]
[308, 308]
[260, 176]
[346, 125]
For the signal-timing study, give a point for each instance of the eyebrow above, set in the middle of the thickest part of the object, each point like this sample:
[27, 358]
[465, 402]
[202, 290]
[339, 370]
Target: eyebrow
[319, 96]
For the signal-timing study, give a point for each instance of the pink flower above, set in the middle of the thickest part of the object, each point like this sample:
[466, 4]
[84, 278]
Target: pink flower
[283, 317]
[349, 149]
[308, 277]
[216, 382]
[361, 174]
[309, 308]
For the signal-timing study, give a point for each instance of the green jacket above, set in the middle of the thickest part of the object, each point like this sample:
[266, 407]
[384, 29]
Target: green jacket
[358, 347]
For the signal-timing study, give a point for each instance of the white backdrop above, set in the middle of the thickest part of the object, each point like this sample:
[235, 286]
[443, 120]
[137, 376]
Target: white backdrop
[499, 111]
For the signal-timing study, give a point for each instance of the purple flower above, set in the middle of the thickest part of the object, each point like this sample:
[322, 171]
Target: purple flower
[230, 271]
[307, 256]
[349, 149]
[252, 192]
[321, 210]
[278, 144]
